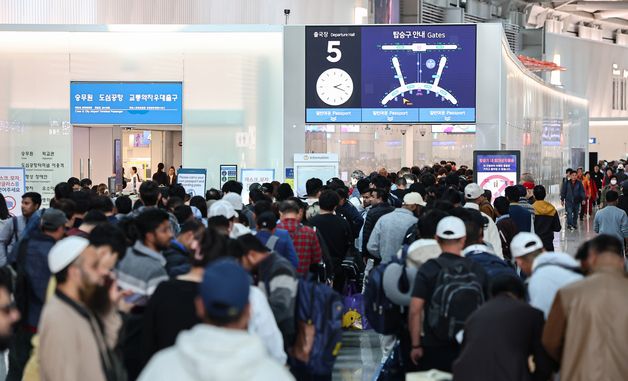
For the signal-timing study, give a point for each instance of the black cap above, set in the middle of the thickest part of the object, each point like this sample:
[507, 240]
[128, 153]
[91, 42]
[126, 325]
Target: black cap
[267, 220]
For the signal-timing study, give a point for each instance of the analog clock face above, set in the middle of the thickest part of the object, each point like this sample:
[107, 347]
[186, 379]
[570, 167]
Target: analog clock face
[334, 86]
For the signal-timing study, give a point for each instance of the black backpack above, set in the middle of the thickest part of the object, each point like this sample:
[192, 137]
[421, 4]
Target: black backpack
[457, 294]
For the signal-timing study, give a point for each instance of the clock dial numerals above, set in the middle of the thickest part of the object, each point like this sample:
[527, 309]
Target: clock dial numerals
[334, 86]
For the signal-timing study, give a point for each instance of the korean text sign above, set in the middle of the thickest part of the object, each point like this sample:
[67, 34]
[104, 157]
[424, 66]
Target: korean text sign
[126, 103]
[12, 187]
[496, 170]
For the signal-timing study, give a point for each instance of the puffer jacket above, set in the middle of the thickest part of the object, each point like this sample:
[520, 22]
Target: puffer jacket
[546, 222]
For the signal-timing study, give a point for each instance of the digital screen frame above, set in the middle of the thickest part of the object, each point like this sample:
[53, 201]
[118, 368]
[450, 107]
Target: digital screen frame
[496, 170]
[391, 74]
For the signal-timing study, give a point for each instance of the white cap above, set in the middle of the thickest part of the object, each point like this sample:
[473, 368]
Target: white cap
[413, 198]
[525, 243]
[451, 227]
[473, 191]
[234, 199]
[65, 252]
[222, 208]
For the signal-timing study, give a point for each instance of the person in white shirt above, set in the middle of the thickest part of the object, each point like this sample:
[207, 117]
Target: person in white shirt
[472, 194]
[220, 348]
[548, 271]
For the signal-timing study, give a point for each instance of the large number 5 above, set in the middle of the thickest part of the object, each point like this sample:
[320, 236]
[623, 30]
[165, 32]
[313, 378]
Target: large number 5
[337, 54]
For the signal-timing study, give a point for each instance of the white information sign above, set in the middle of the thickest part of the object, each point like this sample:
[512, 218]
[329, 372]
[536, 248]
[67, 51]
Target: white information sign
[323, 166]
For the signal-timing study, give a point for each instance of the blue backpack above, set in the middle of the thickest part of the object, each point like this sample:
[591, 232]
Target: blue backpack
[319, 327]
[381, 313]
[492, 264]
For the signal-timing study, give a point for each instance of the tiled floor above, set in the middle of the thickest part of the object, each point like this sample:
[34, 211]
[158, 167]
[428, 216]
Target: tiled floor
[361, 353]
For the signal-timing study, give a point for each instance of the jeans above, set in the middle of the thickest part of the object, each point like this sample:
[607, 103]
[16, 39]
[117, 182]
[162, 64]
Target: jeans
[572, 209]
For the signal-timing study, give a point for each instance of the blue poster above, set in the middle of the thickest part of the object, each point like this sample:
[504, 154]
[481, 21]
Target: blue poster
[391, 74]
[126, 103]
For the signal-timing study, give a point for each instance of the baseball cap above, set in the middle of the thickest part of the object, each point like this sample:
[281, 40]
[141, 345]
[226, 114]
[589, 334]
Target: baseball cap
[413, 198]
[65, 252]
[225, 289]
[525, 243]
[222, 208]
[451, 227]
[234, 199]
[473, 191]
[52, 219]
[255, 186]
[528, 185]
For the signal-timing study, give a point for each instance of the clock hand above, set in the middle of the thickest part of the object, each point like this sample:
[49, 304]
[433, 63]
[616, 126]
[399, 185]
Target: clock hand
[338, 88]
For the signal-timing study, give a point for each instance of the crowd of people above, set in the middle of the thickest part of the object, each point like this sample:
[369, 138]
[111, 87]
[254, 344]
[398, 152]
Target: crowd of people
[164, 286]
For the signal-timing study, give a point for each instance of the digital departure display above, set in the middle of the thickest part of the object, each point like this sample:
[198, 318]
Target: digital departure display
[391, 74]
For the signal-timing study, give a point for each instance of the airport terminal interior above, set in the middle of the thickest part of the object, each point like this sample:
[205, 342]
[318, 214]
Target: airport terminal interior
[313, 190]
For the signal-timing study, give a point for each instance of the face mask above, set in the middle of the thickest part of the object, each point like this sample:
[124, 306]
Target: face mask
[613, 181]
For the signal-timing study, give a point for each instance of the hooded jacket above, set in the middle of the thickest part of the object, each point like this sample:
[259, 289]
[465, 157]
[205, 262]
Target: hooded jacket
[550, 272]
[211, 353]
[421, 251]
[546, 222]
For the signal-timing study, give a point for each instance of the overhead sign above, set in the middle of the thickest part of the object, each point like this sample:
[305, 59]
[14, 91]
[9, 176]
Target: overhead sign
[126, 103]
[228, 172]
[193, 180]
[496, 170]
[12, 187]
[390, 74]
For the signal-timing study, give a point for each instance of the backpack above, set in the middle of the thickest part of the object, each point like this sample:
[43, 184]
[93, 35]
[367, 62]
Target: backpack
[318, 313]
[382, 314]
[272, 242]
[492, 264]
[411, 235]
[457, 293]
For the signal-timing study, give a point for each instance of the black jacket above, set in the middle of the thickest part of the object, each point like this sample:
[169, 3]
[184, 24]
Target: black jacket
[177, 260]
[353, 217]
[546, 222]
[597, 178]
[498, 339]
[373, 215]
[161, 178]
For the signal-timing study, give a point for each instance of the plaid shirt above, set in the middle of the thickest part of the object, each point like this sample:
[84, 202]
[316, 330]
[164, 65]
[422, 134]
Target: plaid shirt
[305, 243]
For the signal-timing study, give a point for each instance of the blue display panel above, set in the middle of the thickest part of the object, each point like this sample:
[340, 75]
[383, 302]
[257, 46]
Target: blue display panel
[126, 103]
[391, 74]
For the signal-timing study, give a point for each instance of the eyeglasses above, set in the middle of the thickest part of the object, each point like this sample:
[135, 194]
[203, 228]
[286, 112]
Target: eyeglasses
[8, 308]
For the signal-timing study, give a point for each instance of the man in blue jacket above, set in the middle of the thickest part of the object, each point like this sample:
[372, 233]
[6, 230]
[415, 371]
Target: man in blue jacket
[571, 196]
[266, 234]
